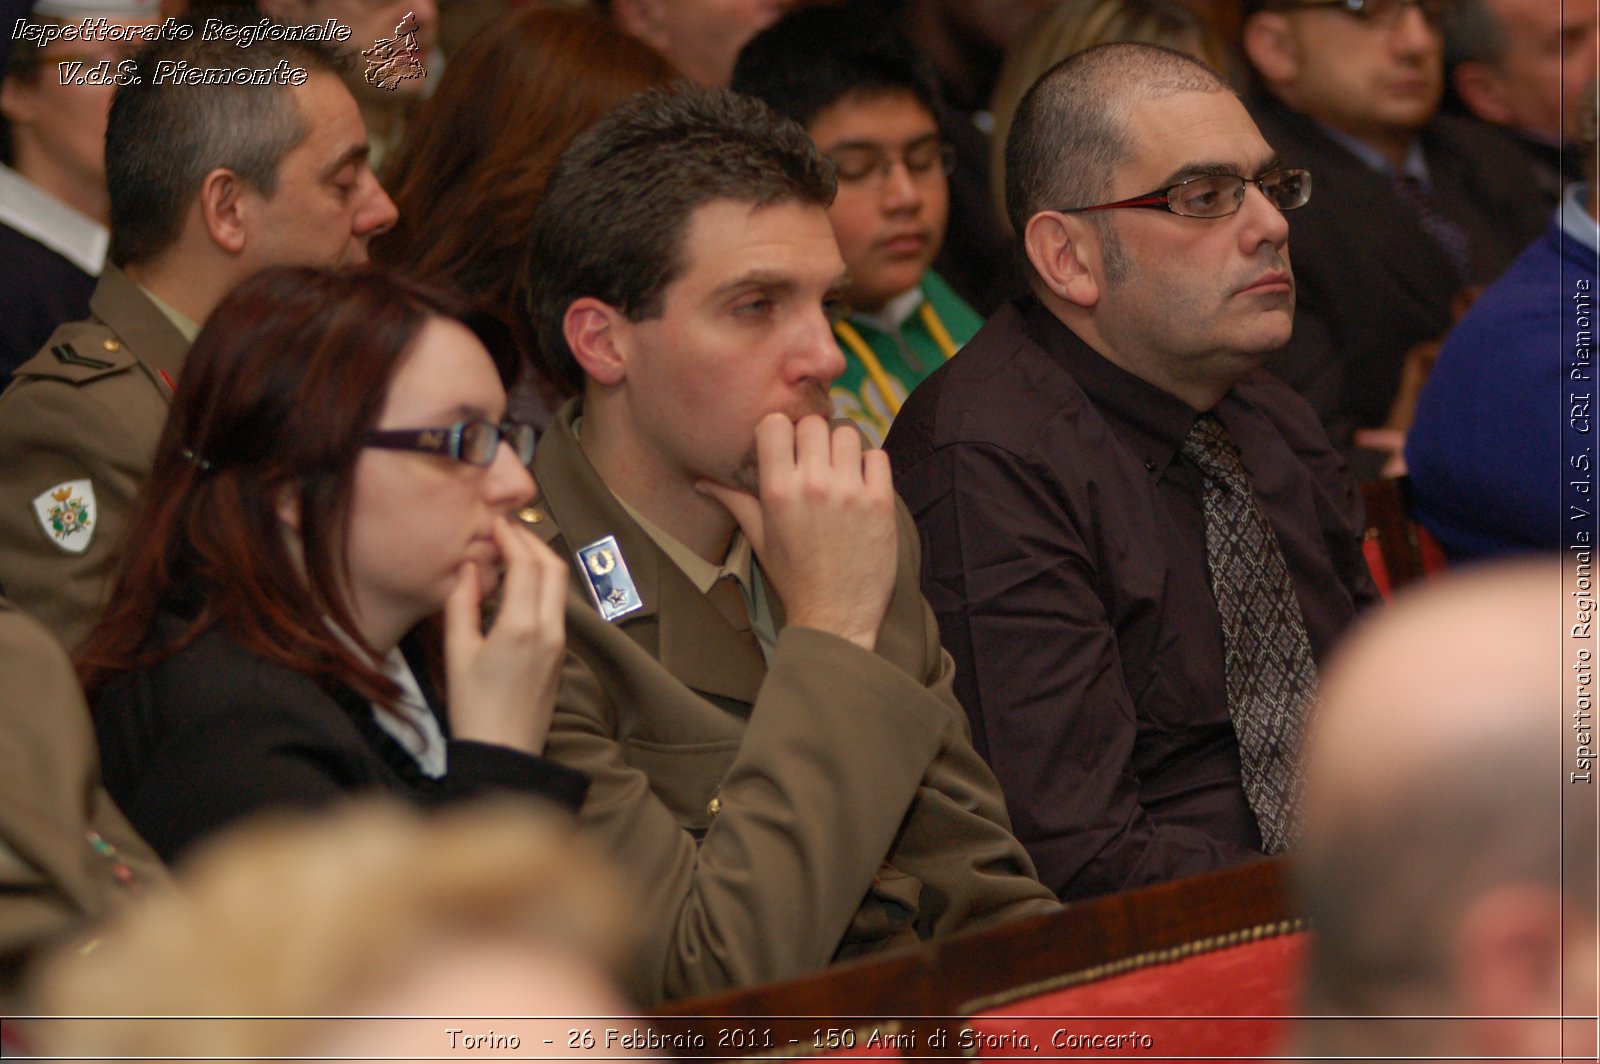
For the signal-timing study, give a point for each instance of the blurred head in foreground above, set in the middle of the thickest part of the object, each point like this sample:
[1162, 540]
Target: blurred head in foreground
[489, 911]
[1450, 826]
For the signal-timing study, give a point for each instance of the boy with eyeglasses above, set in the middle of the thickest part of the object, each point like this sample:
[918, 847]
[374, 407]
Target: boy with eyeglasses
[870, 106]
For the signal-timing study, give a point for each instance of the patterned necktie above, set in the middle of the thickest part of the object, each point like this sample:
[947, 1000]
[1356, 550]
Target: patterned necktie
[1271, 676]
[1447, 234]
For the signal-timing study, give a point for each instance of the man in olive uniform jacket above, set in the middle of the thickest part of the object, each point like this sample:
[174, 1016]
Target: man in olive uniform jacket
[67, 854]
[208, 184]
[754, 682]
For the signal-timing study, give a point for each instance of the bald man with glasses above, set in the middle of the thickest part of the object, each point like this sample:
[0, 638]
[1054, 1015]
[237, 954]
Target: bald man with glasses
[1138, 545]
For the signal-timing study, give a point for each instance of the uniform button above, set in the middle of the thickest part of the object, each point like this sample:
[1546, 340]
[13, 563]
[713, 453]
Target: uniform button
[530, 515]
[714, 806]
[1149, 466]
[112, 344]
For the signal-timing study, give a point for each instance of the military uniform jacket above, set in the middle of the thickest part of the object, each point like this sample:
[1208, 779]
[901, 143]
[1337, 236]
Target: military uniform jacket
[78, 431]
[773, 817]
[51, 797]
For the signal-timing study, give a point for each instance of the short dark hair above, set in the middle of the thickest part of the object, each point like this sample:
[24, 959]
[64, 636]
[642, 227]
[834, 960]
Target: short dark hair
[1070, 133]
[812, 58]
[1473, 34]
[612, 222]
[162, 139]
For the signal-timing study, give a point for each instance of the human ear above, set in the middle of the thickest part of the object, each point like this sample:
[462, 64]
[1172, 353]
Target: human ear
[1062, 250]
[287, 506]
[599, 338]
[17, 102]
[641, 19]
[1483, 91]
[223, 209]
[1507, 954]
[1271, 47]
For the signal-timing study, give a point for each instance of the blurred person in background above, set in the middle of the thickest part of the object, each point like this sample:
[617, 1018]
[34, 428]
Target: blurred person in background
[54, 207]
[1415, 209]
[1449, 867]
[387, 107]
[473, 168]
[335, 472]
[67, 854]
[1521, 65]
[1502, 430]
[368, 916]
[701, 38]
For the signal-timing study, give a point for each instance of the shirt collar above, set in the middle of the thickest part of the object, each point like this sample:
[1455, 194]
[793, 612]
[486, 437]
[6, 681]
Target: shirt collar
[894, 313]
[701, 573]
[1153, 422]
[1416, 164]
[1575, 219]
[180, 321]
[36, 214]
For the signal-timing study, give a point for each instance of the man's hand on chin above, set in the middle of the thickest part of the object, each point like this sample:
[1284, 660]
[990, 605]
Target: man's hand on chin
[823, 526]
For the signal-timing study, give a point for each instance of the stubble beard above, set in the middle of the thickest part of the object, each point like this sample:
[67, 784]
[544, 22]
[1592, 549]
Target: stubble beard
[746, 474]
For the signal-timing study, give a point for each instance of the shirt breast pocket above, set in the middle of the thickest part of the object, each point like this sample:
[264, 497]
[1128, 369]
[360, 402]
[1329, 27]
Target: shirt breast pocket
[686, 777]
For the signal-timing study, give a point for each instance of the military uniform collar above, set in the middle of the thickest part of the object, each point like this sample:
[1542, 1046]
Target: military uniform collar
[124, 308]
[675, 622]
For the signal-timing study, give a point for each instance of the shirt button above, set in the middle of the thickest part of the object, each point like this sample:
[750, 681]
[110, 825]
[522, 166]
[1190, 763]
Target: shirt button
[111, 344]
[1149, 466]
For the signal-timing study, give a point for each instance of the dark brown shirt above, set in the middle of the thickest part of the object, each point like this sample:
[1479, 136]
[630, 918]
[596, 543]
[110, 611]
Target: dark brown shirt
[1064, 557]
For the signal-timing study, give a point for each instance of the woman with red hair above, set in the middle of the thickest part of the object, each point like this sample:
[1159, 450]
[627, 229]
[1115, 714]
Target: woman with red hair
[334, 473]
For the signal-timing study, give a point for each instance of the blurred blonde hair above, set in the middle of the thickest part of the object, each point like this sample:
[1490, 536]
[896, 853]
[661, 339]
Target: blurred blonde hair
[311, 916]
[1071, 26]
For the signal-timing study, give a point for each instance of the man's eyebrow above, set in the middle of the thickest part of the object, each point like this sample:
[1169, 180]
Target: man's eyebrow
[765, 280]
[773, 284]
[354, 154]
[1190, 171]
[878, 145]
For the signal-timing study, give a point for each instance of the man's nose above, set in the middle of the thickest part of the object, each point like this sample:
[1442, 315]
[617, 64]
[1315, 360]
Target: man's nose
[1262, 222]
[817, 355]
[1413, 34]
[377, 212]
[902, 191]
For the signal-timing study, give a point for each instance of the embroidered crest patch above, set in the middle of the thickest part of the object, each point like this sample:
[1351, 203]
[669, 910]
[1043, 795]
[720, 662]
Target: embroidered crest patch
[67, 514]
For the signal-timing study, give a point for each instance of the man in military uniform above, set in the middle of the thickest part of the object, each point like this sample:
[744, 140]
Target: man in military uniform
[208, 184]
[67, 853]
[754, 683]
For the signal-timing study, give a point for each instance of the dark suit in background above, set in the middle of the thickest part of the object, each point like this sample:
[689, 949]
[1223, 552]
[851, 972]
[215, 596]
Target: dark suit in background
[1371, 283]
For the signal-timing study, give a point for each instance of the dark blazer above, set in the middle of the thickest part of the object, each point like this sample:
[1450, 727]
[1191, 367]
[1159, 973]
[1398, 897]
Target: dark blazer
[215, 733]
[1370, 282]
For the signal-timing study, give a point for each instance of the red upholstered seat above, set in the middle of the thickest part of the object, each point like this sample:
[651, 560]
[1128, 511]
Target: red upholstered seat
[1230, 1002]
